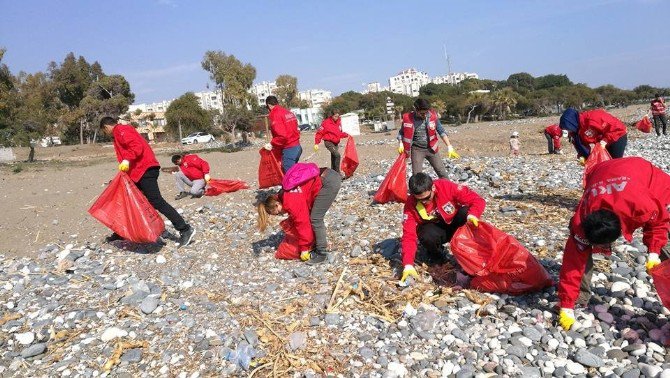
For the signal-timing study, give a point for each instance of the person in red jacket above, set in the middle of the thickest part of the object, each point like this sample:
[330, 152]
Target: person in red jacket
[306, 206]
[594, 126]
[620, 196]
[138, 160]
[658, 113]
[193, 172]
[553, 133]
[331, 133]
[285, 134]
[432, 214]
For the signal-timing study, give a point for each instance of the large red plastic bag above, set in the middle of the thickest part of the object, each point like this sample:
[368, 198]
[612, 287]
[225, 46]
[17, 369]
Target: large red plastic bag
[288, 249]
[299, 174]
[123, 208]
[350, 160]
[269, 170]
[216, 187]
[394, 186]
[499, 262]
[661, 276]
[644, 125]
[598, 155]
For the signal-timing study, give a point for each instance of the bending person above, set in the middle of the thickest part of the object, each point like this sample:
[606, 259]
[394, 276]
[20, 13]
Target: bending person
[594, 126]
[192, 176]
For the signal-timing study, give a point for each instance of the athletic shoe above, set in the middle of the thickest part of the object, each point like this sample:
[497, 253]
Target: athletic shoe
[181, 195]
[113, 237]
[186, 236]
[317, 258]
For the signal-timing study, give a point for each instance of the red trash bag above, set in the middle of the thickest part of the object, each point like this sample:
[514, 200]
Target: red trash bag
[350, 160]
[661, 276]
[644, 125]
[288, 249]
[499, 262]
[269, 170]
[123, 208]
[394, 186]
[598, 155]
[216, 187]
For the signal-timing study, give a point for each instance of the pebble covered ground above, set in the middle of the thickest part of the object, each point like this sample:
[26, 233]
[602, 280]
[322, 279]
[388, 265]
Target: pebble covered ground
[224, 306]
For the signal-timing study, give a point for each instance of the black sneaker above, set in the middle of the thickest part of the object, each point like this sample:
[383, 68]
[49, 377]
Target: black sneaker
[186, 236]
[196, 195]
[317, 258]
[181, 195]
[113, 237]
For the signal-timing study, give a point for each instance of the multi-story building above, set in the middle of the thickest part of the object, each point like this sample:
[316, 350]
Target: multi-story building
[373, 87]
[316, 97]
[150, 108]
[262, 90]
[212, 100]
[454, 78]
[408, 82]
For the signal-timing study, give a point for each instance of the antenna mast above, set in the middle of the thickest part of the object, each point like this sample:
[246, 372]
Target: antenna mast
[446, 56]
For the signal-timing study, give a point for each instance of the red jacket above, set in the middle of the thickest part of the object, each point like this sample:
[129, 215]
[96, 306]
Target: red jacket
[129, 145]
[448, 199]
[298, 204]
[284, 128]
[193, 167]
[658, 107]
[596, 125]
[638, 193]
[331, 131]
[556, 133]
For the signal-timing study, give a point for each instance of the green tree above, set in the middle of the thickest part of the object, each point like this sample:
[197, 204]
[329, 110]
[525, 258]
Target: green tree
[551, 81]
[185, 116]
[108, 96]
[503, 101]
[8, 101]
[646, 92]
[345, 103]
[287, 92]
[521, 82]
[611, 95]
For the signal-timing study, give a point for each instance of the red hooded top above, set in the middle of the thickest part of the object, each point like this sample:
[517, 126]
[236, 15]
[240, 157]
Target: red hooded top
[331, 131]
[638, 193]
[556, 133]
[284, 128]
[298, 204]
[194, 167]
[129, 145]
[448, 199]
[596, 125]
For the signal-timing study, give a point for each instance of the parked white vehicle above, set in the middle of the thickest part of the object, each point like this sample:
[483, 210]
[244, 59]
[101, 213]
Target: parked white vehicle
[198, 138]
[50, 141]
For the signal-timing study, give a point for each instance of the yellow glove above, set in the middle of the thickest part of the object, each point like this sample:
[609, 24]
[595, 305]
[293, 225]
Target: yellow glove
[401, 148]
[451, 153]
[207, 177]
[316, 147]
[473, 219]
[652, 261]
[305, 255]
[124, 166]
[582, 161]
[566, 318]
[408, 272]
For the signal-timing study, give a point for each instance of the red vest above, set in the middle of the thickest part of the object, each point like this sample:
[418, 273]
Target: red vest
[408, 130]
[658, 107]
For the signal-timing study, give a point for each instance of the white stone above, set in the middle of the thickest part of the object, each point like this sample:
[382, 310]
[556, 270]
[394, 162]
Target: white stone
[575, 368]
[620, 286]
[552, 344]
[113, 333]
[396, 370]
[25, 338]
[160, 259]
[447, 369]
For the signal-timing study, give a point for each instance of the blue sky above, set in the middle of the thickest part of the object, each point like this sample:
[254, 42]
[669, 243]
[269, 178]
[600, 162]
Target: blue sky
[338, 45]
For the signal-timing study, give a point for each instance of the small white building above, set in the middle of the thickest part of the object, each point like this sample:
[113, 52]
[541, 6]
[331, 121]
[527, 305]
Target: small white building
[351, 124]
[408, 82]
[310, 116]
[373, 87]
[454, 78]
[262, 90]
[316, 97]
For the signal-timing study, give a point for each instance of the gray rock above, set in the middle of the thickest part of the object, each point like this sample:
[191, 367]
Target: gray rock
[34, 350]
[132, 355]
[149, 304]
[530, 372]
[356, 251]
[366, 353]
[532, 333]
[650, 370]
[517, 350]
[632, 373]
[424, 321]
[297, 340]
[587, 358]
[333, 319]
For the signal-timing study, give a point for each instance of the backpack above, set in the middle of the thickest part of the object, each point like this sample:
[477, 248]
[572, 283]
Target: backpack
[299, 174]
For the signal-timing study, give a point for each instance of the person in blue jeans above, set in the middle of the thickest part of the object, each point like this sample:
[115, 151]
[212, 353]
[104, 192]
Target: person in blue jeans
[285, 134]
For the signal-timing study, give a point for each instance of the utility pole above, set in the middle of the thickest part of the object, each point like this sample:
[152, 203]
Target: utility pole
[180, 136]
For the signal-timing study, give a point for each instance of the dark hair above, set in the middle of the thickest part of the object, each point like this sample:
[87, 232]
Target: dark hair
[176, 158]
[332, 112]
[657, 95]
[107, 121]
[601, 227]
[271, 100]
[421, 104]
[420, 183]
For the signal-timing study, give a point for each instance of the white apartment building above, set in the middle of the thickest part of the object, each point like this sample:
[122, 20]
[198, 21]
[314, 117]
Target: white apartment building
[408, 82]
[262, 90]
[316, 97]
[373, 87]
[150, 108]
[211, 100]
[454, 78]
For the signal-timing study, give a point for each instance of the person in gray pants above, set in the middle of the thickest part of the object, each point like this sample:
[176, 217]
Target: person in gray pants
[191, 175]
[331, 181]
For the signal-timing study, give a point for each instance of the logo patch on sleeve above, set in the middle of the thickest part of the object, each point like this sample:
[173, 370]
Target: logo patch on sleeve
[448, 208]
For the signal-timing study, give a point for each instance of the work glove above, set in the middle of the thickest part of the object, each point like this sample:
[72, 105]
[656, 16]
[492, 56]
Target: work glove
[268, 146]
[316, 147]
[124, 166]
[401, 148]
[207, 178]
[566, 318]
[473, 219]
[652, 261]
[305, 255]
[408, 272]
[451, 153]
[582, 161]
[603, 143]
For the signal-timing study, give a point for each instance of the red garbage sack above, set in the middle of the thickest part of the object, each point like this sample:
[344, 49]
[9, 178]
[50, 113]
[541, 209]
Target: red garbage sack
[644, 125]
[269, 170]
[598, 155]
[288, 249]
[394, 186]
[123, 208]
[350, 160]
[216, 187]
[499, 262]
[661, 276]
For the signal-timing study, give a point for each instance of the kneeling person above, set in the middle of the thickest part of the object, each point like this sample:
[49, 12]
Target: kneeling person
[432, 214]
[193, 172]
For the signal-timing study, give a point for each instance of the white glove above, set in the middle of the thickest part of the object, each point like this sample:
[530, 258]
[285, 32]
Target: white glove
[207, 177]
[652, 261]
[603, 143]
[268, 146]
